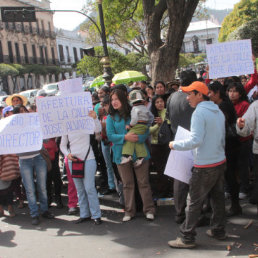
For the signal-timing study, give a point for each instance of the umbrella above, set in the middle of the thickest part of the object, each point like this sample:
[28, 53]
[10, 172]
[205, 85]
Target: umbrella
[128, 76]
[98, 81]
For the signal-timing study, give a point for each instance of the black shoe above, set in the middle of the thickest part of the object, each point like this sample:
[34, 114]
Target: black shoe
[203, 221]
[179, 220]
[47, 215]
[35, 220]
[59, 205]
[81, 220]
[234, 211]
[73, 211]
[97, 221]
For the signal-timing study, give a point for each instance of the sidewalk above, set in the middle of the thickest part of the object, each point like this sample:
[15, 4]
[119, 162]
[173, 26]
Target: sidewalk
[138, 238]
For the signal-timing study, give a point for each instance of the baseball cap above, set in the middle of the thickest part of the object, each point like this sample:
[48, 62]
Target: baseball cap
[198, 86]
[7, 109]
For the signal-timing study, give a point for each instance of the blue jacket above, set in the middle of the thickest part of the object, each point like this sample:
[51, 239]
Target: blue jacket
[207, 139]
[116, 132]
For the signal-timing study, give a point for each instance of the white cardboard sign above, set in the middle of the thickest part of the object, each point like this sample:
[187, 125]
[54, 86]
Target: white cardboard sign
[232, 58]
[20, 133]
[180, 163]
[61, 115]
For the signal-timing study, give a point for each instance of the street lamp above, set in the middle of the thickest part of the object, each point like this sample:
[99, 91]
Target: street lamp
[105, 61]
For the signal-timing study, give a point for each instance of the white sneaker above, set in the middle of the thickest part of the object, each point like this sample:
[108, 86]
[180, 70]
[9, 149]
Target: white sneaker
[149, 216]
[242, 196]
[227, 195]
[138, 162]
[127, 218]
[125, 159]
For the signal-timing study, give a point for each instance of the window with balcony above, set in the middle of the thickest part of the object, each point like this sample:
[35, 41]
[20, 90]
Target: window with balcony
[75, 55]
[196, 44]
[17, 50]
[53, 55]
[68, 55]
[209, 41]
[34, 53]
[42, 61]
[46, 55]
[1, 53]
[10, 51]
[61, 52]
[25, 53]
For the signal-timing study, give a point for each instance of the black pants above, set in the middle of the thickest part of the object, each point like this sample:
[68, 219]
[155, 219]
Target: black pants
[54, 176]
[204, 182]
[159, 156]
[231, 174]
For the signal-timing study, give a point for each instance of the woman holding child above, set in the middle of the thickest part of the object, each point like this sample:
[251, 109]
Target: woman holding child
[118, 119]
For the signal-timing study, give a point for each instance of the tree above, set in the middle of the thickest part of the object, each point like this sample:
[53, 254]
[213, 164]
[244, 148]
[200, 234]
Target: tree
[164, 53]
[161, 25]
[21, 71]
[244, 11]
[91, 65]
[37, 70]
[247, 31]
[5, 71]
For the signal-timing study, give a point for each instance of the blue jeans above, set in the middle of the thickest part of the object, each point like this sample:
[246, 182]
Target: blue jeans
[86, 191]
[106, 151]
[27, 168]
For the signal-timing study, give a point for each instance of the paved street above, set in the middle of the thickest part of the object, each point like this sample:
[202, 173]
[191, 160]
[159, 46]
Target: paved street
[139, 238]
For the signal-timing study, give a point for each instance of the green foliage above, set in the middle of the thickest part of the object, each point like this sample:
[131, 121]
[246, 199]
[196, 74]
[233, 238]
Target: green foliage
[20, 68]
[53, 70]
[36, 69]
[189, 58]
[137, 62]
[247, 31]
[244, 11]
[8, 70]
[91, 65]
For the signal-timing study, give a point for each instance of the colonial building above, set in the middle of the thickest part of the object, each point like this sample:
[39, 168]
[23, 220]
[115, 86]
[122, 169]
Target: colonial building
[70, 47]
[29, 42]
[198, 35]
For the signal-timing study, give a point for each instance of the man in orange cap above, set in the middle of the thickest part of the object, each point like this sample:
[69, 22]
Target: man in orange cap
[207, 140]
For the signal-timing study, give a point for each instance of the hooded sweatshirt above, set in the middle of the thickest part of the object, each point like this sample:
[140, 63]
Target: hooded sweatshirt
[207, 138]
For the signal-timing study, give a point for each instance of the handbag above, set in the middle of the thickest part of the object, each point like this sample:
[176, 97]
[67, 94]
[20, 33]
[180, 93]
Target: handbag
[78, 167]
[45, 155]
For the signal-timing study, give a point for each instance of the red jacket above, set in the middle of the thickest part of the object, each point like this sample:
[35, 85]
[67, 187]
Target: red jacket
[252, 82]
[51, 147]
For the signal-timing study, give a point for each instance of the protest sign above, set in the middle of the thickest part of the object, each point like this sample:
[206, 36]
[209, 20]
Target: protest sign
[180, 163]
[70, 86]
[61, 115]
[20, 133]
[232, 58]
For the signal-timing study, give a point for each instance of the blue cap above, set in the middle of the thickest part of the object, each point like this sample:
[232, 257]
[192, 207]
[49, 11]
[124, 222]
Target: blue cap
[7, 109]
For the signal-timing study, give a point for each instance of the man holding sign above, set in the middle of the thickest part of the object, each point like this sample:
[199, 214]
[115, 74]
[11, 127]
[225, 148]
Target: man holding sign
[209, 165]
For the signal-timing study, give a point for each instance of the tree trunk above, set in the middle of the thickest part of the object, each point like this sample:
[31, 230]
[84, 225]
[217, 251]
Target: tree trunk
[164, 52]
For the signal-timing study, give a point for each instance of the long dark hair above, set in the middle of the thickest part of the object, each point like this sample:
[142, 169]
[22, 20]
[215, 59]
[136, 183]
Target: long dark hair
[125, 110]
[153, 108]
[218, 87]
[240, 89]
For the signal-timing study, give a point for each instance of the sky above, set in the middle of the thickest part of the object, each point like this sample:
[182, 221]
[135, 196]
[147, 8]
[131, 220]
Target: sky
[69, 21]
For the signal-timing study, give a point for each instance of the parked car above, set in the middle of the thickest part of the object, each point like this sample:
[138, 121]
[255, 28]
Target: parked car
[30, 95]
[50, 89]
[2, 93]
[3, 98]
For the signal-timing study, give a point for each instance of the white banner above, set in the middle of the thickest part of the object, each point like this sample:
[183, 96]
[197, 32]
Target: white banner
[180, 163]
[70, 86]
[61, 115]
[230, 58]
[20, 133]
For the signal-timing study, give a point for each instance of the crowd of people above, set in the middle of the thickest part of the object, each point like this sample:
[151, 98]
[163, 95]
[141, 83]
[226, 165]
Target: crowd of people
[221, 116]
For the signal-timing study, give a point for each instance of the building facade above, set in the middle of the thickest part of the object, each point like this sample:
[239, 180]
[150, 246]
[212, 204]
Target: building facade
[198, 35]
[29, 42]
